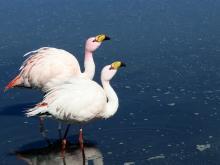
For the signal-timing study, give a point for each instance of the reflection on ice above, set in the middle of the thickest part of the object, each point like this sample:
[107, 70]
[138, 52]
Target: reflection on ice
[51, 155]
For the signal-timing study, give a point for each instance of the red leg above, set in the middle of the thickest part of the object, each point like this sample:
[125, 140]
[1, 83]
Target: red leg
[63, 148]
[64, 142]
[82, 146]
[81, 139]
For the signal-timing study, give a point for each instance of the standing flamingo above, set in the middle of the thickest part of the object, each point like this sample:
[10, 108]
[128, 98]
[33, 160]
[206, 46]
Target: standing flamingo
[47, 67]
[81, 100]
[47, 64]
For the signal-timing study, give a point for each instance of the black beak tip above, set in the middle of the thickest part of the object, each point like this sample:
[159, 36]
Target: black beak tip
[107, 38]
[123, 64]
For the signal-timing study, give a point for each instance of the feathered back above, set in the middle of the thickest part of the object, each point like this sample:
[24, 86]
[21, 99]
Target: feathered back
[51, 63]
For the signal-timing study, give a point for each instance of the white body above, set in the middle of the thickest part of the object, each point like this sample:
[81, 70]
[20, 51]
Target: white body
[48, 64]
[79, 100]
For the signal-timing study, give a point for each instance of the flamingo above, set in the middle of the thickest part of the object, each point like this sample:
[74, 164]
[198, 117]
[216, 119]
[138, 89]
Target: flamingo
[80, 100]
[46, 64]
[47, 67]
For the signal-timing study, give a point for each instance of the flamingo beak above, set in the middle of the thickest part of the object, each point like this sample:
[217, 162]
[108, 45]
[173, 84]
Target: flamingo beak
[101, 38]
[107, 38]
[116, 65]
[123, 64]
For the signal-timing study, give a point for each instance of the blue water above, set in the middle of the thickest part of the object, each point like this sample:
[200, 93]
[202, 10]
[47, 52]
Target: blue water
[169, 92]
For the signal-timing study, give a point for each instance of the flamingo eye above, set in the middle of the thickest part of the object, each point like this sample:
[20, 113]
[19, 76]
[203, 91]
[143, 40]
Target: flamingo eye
[111, 67]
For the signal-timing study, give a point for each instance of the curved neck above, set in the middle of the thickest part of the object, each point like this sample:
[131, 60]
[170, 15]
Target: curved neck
[112, 104]
[89, 65]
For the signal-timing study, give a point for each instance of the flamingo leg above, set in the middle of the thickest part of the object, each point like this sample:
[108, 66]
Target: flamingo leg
[64, 160]
[64, 141]
[60, 130]
[63, 148]
[84, 157]
[81, 140]
[66, 131]
[82, 145]
[43, 131]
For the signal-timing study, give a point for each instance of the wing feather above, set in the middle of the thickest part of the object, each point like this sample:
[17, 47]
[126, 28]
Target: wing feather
[46, 64]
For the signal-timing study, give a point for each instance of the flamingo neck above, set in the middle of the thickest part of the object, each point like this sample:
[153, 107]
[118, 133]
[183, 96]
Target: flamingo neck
[112, 103]
[89, 65]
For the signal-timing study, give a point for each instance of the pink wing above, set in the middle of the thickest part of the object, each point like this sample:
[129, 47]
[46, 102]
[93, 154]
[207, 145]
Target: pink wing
[44, 65]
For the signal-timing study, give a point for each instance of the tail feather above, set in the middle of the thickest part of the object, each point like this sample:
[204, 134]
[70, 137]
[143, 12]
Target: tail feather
[37, 110]
[16, 81]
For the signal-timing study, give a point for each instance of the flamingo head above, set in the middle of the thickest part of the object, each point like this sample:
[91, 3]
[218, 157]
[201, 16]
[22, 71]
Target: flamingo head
[93, 43]
[109, 71]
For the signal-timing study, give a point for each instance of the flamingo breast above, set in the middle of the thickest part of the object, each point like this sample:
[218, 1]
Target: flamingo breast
[76, 100]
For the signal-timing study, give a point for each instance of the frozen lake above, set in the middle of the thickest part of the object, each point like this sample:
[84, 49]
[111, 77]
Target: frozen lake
[169, 92]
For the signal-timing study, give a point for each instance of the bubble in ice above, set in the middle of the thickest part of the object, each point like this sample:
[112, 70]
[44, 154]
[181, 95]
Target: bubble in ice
[161, 156]
[166, 93]
[128, 87]
[129, 163]
[203, 147]
[171, 104]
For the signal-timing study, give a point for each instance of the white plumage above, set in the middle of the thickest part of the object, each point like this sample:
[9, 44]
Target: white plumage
[77, 99]
[80, 100]
[47, 64]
